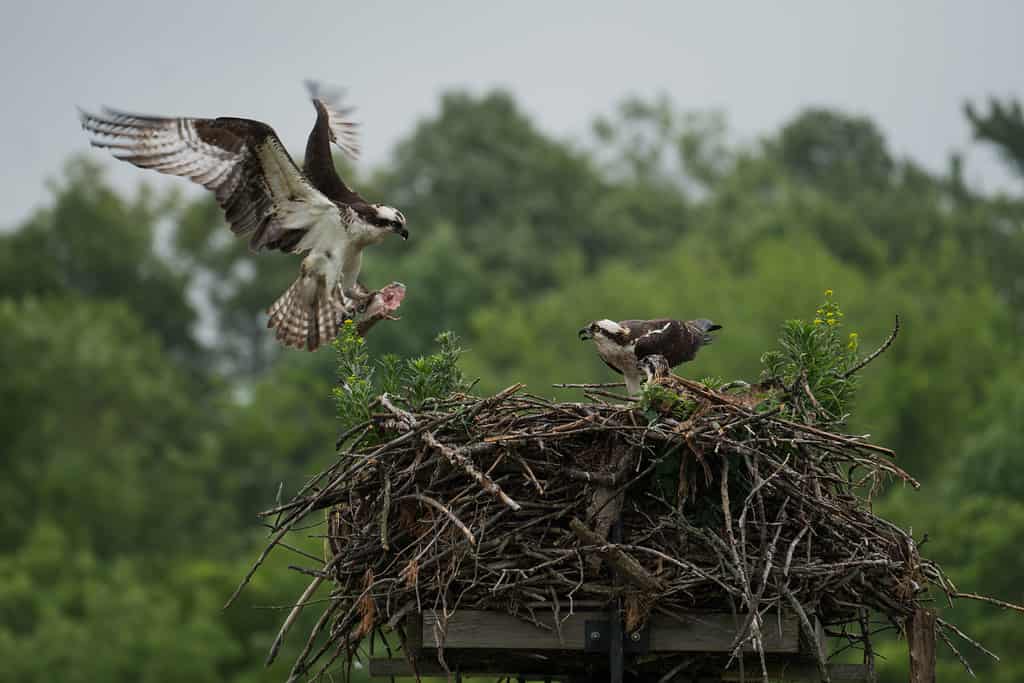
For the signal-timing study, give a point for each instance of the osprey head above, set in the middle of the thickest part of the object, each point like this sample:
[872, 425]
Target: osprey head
[389, 218]
[604, 328]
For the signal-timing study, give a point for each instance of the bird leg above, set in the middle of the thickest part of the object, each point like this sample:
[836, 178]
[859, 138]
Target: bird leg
[358, 296]
[633, 381]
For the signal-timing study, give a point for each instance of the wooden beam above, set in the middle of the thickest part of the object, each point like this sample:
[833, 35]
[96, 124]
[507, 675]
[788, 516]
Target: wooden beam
[921, 643]
[386, 668]
[414, 634]
[801, 672]
[704, 632]
[783, 672]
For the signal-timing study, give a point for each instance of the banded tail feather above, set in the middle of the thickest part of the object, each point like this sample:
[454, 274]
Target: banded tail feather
[306, 316]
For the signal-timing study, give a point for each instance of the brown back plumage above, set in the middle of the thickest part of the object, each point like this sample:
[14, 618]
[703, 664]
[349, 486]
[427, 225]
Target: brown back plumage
[677, 340]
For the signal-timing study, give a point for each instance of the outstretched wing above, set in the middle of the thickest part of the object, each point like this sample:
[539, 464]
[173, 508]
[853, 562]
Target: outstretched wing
[264, 195]
[330, 126]
[342, 130]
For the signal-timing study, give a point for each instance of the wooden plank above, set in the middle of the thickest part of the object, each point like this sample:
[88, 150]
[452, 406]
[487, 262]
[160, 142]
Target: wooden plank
[715, 632]
[802, 671]
[921, 643]
[708, 632]
[784, 672]
[386, 668]
[413, 634]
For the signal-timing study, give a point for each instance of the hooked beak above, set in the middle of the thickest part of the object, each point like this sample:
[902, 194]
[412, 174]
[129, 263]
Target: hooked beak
[585, 334]
[400, 230]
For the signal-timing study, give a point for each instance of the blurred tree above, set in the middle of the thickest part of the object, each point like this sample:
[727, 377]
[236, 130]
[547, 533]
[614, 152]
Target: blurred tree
[93, 243]
[101, 432]
[1003, 126]
[990, 462]
[836, 151]
[513, 196]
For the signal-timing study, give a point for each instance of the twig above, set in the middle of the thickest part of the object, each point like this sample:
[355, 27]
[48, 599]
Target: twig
[293, 615]
[809, 633]
[626, 566]
[460, 460]
[991, 601]
[886, 344]
[451, 515]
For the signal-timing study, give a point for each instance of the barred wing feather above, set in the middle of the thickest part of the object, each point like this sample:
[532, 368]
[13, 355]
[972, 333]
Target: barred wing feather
[264, 195]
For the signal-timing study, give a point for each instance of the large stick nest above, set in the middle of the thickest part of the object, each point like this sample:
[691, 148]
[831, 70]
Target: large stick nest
[506, 502]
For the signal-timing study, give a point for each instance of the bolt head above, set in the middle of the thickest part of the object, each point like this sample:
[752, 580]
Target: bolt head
[595, 635]
[635, 636]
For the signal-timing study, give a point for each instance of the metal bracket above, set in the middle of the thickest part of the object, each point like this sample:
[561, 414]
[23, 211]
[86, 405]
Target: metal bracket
[597, 638]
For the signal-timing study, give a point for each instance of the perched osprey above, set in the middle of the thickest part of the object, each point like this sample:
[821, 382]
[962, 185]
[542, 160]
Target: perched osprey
[267, 198]
[622, 345]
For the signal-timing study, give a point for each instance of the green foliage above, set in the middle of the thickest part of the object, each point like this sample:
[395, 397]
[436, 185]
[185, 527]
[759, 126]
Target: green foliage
[435, 376]
[812, 361]
[355, 391]
[1002, 126]
[840, 152]
[93, 243]
[413, 381]
[657, 400]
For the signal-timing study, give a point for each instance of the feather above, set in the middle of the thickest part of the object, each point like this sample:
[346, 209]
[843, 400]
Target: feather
[342, 130]
[263, 193]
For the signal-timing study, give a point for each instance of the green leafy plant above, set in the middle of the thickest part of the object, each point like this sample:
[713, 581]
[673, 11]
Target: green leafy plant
[412, 382]
[435, 376]
[712, 382]
[355, 390]
[812, 363]
[657, 400]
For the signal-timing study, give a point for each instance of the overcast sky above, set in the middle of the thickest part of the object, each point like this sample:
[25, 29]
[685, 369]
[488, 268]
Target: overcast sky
[909, 65]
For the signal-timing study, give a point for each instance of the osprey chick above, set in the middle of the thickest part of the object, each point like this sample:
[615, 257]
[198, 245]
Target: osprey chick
[654, 367]
[267, 198]
[622, 345]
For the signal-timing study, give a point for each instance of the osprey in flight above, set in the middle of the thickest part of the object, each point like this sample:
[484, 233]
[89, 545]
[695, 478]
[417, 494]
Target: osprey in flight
[623, 345]
[269, 200]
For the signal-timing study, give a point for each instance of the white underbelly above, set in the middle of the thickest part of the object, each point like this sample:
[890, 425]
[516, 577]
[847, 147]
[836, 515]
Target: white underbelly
[621, 357]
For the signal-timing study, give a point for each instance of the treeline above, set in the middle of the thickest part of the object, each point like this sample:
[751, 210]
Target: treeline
[147, 415]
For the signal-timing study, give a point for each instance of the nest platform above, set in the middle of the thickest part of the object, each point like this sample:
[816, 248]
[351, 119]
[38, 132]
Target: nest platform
[716, 534]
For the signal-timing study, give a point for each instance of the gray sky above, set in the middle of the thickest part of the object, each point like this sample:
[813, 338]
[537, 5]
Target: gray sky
[909, 65]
